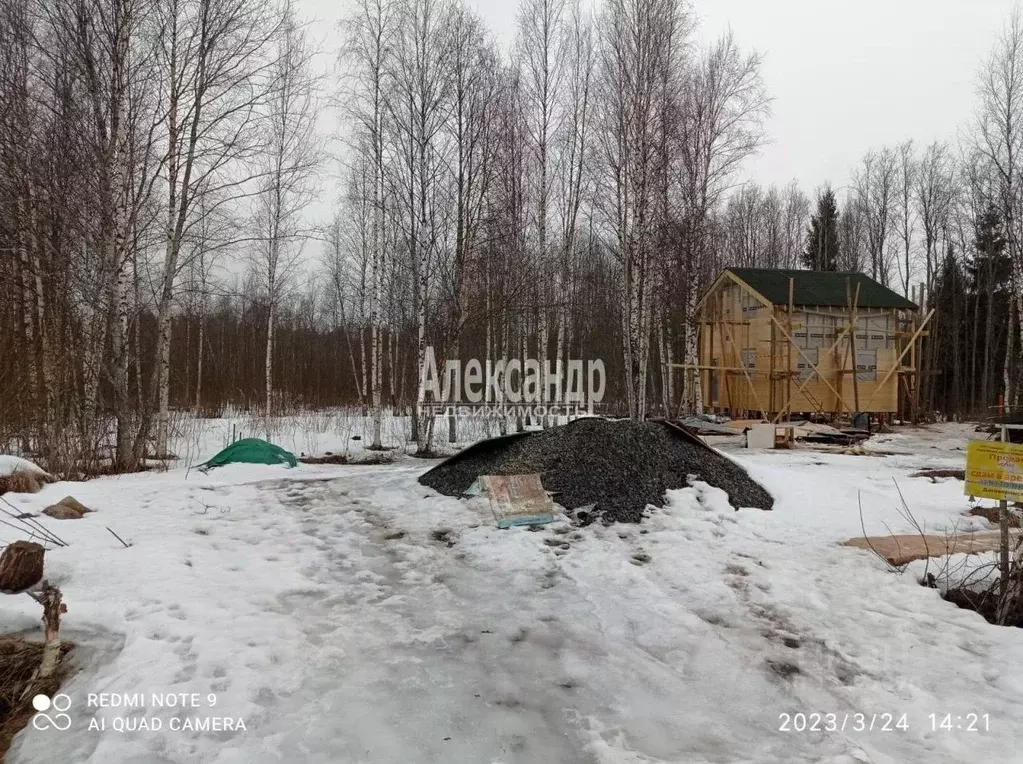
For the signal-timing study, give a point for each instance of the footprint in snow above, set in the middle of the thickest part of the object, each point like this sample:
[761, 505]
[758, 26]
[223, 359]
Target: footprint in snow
[444, 536]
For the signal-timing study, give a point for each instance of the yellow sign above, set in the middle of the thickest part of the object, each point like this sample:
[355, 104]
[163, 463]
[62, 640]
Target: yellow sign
[994, 470]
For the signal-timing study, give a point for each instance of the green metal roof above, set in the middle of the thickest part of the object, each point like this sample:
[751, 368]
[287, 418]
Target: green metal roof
[820, 288]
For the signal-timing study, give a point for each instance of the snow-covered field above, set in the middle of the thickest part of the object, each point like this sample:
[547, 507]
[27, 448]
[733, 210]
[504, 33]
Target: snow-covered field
[347, 614]
[339, 431]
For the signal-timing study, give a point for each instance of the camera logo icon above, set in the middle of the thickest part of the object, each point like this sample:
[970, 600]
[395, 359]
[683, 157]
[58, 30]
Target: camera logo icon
[44, 703]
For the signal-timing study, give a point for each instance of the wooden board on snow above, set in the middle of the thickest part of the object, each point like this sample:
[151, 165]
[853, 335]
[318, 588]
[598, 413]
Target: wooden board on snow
[517, 499]
[899, 550]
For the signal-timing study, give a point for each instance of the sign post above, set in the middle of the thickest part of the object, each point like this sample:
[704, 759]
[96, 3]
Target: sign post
[1003, 527]
[994, 470]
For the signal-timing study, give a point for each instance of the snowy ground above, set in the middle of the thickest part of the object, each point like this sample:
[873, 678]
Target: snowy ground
[347, 614]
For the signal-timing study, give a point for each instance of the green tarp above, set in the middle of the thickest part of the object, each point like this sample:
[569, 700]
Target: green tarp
[252, 451]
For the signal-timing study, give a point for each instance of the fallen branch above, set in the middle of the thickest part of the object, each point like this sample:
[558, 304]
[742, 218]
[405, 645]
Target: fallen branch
[126, 544]
[29, 525]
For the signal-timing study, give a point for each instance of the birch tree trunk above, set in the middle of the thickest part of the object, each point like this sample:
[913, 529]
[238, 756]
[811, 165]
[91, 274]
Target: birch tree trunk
[378, 251]
[694, 386]
[28, 323]
[269, 365]
[375, 348]
[288, 163]
[199, 361]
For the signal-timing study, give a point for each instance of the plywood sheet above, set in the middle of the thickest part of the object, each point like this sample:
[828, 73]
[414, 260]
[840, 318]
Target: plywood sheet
[899, 550]
[517, 499]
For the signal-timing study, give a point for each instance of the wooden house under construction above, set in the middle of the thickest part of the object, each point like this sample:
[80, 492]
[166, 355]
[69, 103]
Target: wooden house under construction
[782, 343]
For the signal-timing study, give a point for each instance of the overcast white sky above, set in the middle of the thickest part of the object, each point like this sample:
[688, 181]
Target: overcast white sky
[846, 75]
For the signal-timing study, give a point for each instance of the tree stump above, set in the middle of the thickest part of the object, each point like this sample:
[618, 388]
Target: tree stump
[21, 566]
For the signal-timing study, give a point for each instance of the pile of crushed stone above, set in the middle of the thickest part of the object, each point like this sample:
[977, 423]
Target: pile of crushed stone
[610, 470]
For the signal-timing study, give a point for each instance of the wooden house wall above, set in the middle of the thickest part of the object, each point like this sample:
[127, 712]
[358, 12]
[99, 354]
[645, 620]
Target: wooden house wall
[737, 331]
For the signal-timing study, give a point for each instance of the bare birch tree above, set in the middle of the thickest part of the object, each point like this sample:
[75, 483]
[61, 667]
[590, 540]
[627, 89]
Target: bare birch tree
[540, 56]
[905, 215]
[215, 81]
[206, 243]
[797, 217]
[471, 128]
[641, 54]
[574, 150]
[346, 259]
[417, 105]
[934, 195]
[852, 235]
[288, 165]
[368, 55]
[725, 104]
[111, 44]
[20, 124]
[876, 186]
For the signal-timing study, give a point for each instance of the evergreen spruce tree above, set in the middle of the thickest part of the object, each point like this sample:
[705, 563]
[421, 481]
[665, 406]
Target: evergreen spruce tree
[991, 274]
[821, 252]
[990, 263]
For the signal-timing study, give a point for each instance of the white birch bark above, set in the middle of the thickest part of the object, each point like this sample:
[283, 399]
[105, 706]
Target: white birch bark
[375, 325]
[269, 365]
[694, 384]
[199, 360]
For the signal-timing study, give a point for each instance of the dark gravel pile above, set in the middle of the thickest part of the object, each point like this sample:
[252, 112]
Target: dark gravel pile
[620, 467]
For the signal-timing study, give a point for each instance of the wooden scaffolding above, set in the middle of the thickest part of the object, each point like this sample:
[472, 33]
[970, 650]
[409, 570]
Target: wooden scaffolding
[773, 353]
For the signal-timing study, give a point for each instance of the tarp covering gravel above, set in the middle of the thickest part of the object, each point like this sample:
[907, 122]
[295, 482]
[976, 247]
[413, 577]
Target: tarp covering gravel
[618, 467]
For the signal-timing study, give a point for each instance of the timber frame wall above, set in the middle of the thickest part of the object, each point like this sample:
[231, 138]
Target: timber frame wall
[777, 361]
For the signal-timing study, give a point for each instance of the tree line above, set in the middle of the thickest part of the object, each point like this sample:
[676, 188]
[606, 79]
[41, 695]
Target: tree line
[567, 198]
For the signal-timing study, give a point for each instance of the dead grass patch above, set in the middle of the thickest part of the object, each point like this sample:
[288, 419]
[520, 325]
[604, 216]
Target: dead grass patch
[19, 660]
[991, 515]
[983, 602]
[22, 481]
[104, 470]
[935, 474]
[376, 457]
